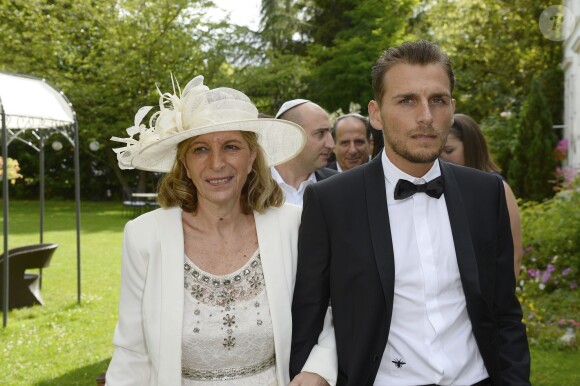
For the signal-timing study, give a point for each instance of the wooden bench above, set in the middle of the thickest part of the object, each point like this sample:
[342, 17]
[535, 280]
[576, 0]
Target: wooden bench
[23, 287]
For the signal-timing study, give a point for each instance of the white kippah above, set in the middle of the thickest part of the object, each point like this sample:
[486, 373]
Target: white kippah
[290, 105]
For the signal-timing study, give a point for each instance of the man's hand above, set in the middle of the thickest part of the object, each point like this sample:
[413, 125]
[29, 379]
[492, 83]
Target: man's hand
[308, 379]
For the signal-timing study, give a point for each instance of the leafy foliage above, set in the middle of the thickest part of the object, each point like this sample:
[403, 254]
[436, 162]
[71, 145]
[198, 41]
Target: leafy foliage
[348, 38]
[551, 232]
[283, 25]
[281, 78]
[548, 281]
[13, 169]
[496, 49]
[107, 56]
[531, 173]
[501, 134]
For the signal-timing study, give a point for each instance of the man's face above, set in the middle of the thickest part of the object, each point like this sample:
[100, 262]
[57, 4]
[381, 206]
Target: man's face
[352, 145]
[415, 114]
[319, 142]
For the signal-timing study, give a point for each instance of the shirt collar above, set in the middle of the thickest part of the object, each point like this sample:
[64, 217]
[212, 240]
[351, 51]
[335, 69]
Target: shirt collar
[278, 178]
[393, 174]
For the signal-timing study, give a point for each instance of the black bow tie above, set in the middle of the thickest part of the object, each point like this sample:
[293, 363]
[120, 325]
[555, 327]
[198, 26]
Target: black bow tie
[406, 189]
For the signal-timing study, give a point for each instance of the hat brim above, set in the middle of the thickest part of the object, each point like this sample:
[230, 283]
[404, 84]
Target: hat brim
[280, 140]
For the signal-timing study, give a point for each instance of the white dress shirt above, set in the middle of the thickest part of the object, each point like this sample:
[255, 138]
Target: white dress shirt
[430, 336]
[292, 195]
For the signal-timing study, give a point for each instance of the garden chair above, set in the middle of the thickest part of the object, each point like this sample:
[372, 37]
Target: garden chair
[23, 287]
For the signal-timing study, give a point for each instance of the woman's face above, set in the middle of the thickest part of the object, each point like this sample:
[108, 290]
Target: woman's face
[218, 164]
[453, 150]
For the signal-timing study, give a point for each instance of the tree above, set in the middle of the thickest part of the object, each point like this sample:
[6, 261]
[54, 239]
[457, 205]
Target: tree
[278, 78]
[323, 49]
[496, 49]
[348, 38]
[107, 57]
[500, 131]
[275, 63]
[531, 173]
[283, 25]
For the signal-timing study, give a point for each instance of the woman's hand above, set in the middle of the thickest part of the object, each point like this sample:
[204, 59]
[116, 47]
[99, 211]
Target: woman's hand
[308, 379]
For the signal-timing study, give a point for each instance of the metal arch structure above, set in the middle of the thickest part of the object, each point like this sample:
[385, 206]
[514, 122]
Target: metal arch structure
[30, 104]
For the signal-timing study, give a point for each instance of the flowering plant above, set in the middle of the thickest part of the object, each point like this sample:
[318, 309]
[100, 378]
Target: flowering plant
[564, 177]
[547, 285]
[568, 323]
[13, 170]
[550, 277]
[561, 149]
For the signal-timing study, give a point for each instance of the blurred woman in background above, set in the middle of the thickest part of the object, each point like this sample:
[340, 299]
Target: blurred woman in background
[466, 146]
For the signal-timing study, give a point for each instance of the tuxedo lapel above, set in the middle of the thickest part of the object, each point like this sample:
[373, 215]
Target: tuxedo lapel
[376, 199]
[324, 173]
[461, 235]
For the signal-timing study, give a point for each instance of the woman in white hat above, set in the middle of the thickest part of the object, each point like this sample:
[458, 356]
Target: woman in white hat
[207, 280]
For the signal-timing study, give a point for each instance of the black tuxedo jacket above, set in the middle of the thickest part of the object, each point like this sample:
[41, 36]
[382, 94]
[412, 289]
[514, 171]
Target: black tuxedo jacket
[324, 173]
[345, 254]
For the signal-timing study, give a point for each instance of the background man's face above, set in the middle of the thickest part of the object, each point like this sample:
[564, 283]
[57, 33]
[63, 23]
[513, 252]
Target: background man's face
[352, 145]
[319, 142]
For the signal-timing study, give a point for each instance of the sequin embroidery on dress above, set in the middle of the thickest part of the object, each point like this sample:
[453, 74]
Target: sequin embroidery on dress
[227, 329]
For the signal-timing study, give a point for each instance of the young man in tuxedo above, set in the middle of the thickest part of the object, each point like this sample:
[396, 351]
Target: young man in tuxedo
[415, 255]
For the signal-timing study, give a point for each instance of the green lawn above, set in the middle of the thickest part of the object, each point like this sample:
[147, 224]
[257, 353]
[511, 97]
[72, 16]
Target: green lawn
[64, 343]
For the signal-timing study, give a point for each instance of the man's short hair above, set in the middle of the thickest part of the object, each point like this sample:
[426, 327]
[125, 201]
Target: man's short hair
[420, 52]
[361, 118]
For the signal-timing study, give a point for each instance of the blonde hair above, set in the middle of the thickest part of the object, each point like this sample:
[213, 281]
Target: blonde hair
[258, 193]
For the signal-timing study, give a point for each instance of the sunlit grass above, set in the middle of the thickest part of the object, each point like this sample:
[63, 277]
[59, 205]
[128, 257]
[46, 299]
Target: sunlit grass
[65, 343]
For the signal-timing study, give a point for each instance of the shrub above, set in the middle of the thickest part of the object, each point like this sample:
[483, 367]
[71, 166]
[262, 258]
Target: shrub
[551, 236]
[531, 171]
[550, 274]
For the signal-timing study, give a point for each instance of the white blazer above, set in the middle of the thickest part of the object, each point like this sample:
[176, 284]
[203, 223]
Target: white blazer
[148, 337]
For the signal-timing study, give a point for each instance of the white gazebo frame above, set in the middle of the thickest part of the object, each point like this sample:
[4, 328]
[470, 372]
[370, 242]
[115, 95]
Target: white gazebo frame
[31, 104]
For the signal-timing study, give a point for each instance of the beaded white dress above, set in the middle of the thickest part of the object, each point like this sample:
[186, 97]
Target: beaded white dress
[227, 330]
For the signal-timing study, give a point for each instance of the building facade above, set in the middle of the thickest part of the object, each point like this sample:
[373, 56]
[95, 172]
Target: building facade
[571, 67]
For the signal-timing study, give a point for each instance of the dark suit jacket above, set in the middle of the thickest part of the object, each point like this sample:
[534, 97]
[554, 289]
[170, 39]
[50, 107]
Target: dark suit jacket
[324, 173]
[345, 253]
[332, 165]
